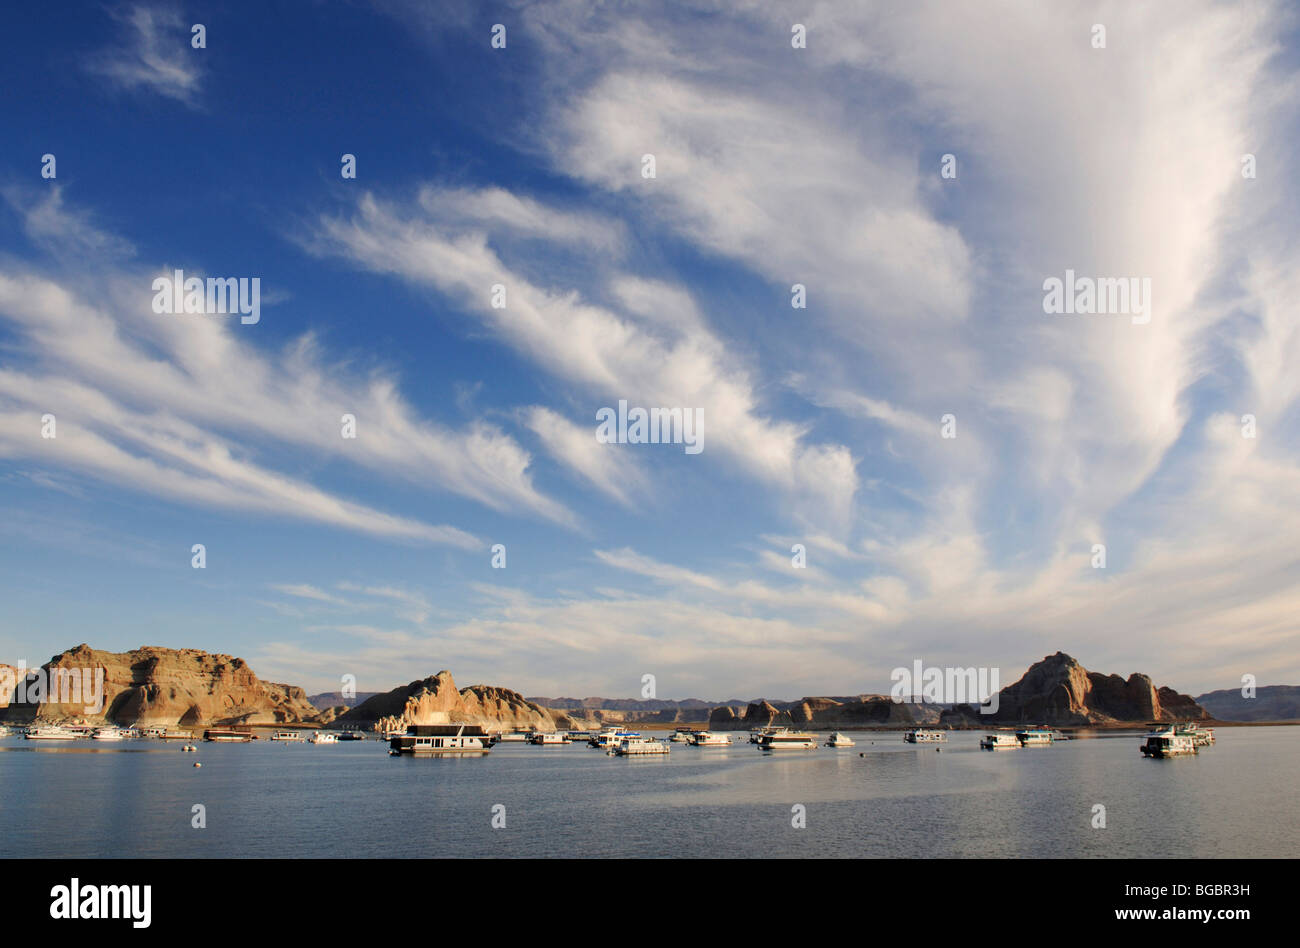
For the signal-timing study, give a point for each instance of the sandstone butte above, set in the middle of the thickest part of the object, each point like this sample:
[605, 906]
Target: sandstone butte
[161, 686]
[1061, 692]
[436, 699]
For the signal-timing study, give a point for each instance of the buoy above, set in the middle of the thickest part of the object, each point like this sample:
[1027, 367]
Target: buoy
[197, 764]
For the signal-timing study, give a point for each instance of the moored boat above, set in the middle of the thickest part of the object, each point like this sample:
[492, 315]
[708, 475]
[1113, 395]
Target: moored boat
[840, 740]
[682, 735]
[289, 737]
[1168, 743]
[640, 747]
[50, 732]
[925, 735]
[324, 737]
[228, 735]
[109, 734]
[1201, 736]
[709, 739]
[783, 739]
[436, 740]
[549, 739]
[1000, 740]
[611, 737]
[1035, 736]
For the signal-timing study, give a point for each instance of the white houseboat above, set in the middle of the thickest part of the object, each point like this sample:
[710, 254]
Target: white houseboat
[1001, 740]
[542, 738]
[324, 737]
[709, 739]
[784, 739]
[1168, 743]
[640, 747]
[229, 735]
[435, 740]
[682, 735]
[611, 737]
[110, 734]
[1201, 736]
[1035, 736]
[840, 740]
[925, 735]
[50, 732]
[289, 737]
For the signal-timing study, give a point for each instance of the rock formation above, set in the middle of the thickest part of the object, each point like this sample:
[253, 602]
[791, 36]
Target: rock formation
[436, 699]
[157, 686]
[1059, 691]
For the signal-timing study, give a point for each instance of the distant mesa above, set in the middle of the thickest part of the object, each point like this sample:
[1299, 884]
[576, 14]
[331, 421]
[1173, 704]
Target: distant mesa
[1271, 703]
[327, 700]
[858, 711]
[1059, 691]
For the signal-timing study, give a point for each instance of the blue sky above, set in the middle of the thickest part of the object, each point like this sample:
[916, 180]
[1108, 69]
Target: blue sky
[822, 426]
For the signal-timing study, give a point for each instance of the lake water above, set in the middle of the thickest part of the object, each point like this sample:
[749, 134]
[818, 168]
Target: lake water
[1240, 797]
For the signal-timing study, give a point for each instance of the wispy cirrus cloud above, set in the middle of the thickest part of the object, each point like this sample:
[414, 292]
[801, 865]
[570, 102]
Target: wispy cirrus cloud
[152, 54]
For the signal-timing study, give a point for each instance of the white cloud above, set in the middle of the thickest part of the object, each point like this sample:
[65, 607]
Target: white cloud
[152, 54]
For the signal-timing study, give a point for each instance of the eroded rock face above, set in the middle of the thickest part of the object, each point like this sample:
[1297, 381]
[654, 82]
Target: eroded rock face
[436, 698]
[1059, 691]
[8, 683]
[162, 686]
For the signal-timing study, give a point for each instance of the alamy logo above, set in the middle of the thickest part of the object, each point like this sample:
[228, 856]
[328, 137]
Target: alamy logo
[83, 686]
[656, 426]
[935, 685]
[103, 901]
[1104, 296]
[214, 296]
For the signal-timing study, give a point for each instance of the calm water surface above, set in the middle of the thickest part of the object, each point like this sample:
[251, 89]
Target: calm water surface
[1240, 797]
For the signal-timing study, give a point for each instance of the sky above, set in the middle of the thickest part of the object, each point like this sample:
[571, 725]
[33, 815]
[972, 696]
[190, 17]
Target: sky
[947, 455]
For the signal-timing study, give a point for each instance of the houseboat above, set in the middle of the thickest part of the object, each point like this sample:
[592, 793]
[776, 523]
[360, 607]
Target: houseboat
[352, 736]
[50, 732]
[840, 740]
[783, 739]
[756, 736]
[640, 747]
[110, 734]
[289, 737]
[324, 737]
[5, 730]
[1035, 736]
[175, 734]
[925, 735]
[1168, 743]
[436, 740]
[515, 737]
[577, 737]
[1003, 740]
[682, 735]
[1201, 736]
[709, 739]
[228, 735]
[611, 737]
[542, 738]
